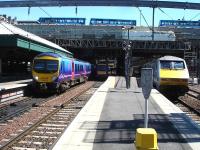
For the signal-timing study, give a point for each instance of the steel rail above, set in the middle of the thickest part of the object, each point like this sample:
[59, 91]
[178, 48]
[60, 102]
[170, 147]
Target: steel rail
[35, 125]
[189, 106]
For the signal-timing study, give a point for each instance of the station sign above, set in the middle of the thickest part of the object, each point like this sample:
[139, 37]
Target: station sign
[146, 81]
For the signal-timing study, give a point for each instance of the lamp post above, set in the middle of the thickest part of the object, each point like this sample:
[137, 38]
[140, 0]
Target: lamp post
[127, 48]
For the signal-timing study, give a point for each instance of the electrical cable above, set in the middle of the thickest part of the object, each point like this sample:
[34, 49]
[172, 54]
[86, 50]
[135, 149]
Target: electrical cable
[165, 13]
[195, 16]
[45, 12]
[144, 18]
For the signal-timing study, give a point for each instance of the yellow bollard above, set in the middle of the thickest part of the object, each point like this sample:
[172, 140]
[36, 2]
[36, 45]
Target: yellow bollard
[146, 139]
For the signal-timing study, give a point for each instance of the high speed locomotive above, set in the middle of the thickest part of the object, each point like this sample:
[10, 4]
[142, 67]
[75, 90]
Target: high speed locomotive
[55, 73]
[170, 74]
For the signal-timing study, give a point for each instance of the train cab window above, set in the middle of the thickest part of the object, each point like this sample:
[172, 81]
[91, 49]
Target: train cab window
[178, 65]
[165, 64]
[172, 65]
[52, 66]
[45, 66]
[38, 65]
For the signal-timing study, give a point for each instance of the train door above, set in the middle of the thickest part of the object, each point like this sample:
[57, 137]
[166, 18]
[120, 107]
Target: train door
[72, 70]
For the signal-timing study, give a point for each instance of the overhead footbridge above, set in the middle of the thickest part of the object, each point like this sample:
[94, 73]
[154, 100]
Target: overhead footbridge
[18, 48]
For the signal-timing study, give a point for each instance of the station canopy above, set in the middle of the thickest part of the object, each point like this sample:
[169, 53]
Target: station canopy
[11, 36]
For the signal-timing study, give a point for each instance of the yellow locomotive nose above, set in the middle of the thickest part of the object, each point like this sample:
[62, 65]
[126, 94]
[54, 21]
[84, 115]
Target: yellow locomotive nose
[42, 77]
[167, 73]
[173, 77]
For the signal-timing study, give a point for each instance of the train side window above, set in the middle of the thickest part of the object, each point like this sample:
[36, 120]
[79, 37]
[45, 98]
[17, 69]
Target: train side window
[67, 68]
[75, 67]
[63, 67]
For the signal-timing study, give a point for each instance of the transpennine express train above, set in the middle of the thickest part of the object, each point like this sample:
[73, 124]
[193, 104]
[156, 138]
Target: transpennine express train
[55, 73]
[170, 74]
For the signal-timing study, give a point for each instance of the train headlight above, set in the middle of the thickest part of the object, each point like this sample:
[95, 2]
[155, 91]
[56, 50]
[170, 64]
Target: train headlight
[54, 78]
[35, 77]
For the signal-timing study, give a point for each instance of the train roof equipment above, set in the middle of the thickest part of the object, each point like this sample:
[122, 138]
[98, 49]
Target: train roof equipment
[179, 23]
[49, 54]
[62, 21]
[171, 58]
[20, 38]
[112, 22]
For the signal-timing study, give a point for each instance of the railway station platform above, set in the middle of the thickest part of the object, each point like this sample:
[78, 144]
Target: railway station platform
[14, 89]
[110, 118]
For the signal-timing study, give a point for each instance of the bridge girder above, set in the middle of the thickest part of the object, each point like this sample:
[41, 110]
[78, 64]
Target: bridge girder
[129, 3]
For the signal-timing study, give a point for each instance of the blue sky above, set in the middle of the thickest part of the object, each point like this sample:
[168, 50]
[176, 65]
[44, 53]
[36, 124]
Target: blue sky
[104, 12]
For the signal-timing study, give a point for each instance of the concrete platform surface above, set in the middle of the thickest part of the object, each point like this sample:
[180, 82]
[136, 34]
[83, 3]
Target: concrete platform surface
[110, 118]
[14, 84]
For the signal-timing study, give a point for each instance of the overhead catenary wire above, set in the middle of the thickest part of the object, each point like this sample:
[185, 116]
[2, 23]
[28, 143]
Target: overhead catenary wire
[144, 18]
[165, 13]
[45, 12]
[195, 16]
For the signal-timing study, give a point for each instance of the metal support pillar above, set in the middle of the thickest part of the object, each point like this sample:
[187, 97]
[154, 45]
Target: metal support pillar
[146, 114]
[153, 24]
[127, 61]
[0, 66]
[127, 68]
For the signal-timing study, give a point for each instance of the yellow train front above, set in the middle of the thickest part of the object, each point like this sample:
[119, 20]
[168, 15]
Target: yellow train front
[170, 75]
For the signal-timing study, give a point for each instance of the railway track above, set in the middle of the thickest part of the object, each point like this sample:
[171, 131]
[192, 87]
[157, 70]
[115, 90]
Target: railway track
[19, 107]
[45, 132]
[190, 104]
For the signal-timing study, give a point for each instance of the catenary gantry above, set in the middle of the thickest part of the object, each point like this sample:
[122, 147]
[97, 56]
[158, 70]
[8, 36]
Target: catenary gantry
[132, 3]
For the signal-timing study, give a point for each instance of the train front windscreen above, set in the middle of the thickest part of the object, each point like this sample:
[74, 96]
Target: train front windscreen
[45, 66]
[172, 65]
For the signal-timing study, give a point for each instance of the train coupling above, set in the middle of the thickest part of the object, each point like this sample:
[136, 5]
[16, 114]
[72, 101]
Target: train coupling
[43, 86]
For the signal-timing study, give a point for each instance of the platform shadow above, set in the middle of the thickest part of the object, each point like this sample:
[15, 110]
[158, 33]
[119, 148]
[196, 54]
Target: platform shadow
[123, 131]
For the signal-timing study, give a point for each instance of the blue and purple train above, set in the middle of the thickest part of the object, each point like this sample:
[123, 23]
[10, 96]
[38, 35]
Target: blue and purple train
[53, 72]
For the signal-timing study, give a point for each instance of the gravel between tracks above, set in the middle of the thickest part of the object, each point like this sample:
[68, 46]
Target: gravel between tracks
[194, 102]
[19, 123]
